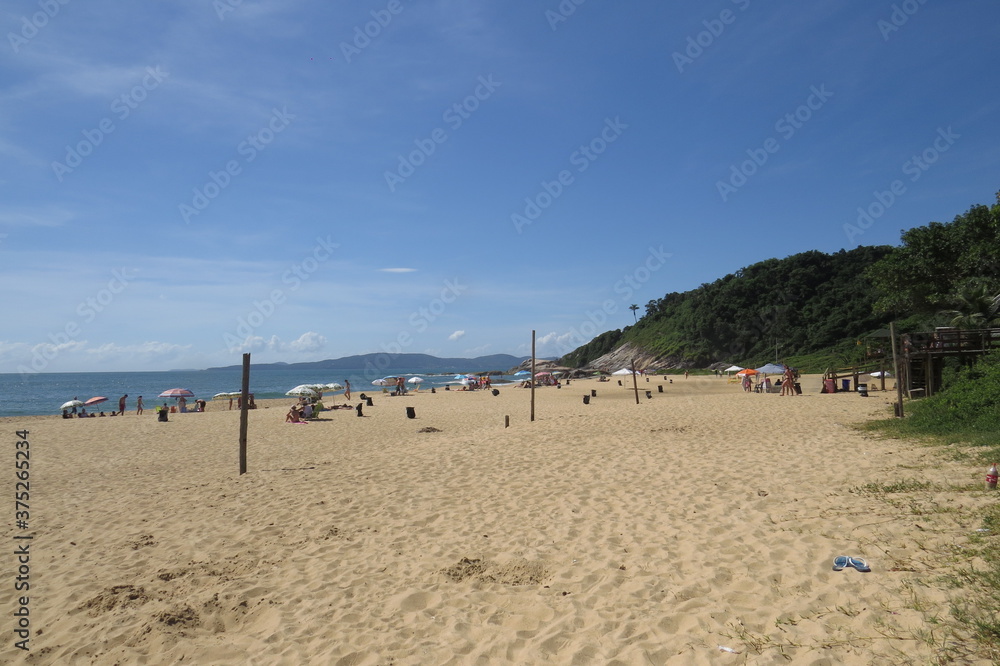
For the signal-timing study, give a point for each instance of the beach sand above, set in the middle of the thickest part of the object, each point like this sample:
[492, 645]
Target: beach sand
[611, 533]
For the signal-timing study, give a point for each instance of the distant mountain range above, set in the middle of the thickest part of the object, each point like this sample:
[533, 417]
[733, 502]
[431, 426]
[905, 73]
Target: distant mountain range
[389, 363]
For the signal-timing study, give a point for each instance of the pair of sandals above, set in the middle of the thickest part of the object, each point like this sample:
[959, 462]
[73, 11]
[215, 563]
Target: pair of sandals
[841, 562]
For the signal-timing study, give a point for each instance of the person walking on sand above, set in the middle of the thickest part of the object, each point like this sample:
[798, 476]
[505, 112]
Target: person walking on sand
[788, 382]
[138, 406]
[121, 404]
[347, 389]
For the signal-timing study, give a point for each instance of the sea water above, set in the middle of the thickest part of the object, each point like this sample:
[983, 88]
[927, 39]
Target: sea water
[42, 393]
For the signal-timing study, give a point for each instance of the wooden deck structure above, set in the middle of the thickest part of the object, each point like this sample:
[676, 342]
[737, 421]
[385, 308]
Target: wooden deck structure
[921, 359]
[922, 355]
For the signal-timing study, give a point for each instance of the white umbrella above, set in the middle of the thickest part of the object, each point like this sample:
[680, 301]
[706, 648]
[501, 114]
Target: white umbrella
[332, 386]
[71, 404]
[383, 382]
[415, 380]
[227, 394]
[305, 389]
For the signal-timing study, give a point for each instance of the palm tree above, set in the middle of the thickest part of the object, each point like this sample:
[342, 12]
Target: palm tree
[974, 307]
[633, 308]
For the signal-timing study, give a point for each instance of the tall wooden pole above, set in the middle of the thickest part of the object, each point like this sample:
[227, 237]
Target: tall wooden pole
[635, 385]
[532, 375]
[898, 367]
[244, 408]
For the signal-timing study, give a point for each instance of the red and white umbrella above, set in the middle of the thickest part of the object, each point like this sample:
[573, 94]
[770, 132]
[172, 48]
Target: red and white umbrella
[95, 401]
[177, 393]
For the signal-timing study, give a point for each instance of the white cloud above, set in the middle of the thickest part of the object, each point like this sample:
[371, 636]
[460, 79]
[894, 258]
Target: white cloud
[308, 342]
[457, 335]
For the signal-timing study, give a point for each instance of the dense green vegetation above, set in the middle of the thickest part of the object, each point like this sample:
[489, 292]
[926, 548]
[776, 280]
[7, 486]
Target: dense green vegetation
[937, 261]
[811, 309]
[785, 307]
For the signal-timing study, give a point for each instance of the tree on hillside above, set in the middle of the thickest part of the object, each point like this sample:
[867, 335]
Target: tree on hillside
[974, 306]
[633, 308]
[936, 260]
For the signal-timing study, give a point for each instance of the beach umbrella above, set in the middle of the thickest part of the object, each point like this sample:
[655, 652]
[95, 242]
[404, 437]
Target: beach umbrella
[227, 394]
[384, 382]
[71, 404]
[747, 372]
[415, 380]
[95, 401]
[521, 373]
[176, 393]
[308, 390]
[332, 386]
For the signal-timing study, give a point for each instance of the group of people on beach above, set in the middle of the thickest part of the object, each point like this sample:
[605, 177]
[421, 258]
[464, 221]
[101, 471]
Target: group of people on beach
[83, 414]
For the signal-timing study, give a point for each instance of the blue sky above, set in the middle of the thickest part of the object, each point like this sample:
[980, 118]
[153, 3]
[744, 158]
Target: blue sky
[187, 181]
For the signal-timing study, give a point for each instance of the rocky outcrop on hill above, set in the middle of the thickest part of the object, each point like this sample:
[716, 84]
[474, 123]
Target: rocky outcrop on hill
[623, 356]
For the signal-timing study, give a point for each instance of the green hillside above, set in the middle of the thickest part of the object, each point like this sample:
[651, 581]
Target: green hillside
[812, 308]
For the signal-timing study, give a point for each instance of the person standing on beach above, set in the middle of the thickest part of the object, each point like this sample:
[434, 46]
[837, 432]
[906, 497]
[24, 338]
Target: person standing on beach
[347, 389]
[138, 406]
[121, 405]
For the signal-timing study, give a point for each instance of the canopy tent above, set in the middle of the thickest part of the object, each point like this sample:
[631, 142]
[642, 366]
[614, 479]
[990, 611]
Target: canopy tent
[733, 368]
[623, 371]
[771, 369]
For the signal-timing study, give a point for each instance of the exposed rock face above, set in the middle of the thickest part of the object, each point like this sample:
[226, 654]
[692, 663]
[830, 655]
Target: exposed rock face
[644, 360]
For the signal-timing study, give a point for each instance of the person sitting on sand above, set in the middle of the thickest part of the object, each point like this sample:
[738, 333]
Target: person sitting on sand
[293, 415]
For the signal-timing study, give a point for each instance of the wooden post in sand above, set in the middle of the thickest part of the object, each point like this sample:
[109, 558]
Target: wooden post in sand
[897, 367]
[635, 385]
[532, 376]
[244, 407]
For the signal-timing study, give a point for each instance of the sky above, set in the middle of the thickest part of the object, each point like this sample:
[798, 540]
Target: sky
[186, 182]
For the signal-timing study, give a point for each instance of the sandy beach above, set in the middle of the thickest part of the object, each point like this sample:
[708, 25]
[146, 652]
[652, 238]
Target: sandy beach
[701, 518]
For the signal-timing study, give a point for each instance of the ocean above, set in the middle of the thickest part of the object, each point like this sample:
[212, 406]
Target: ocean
[43, 393]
